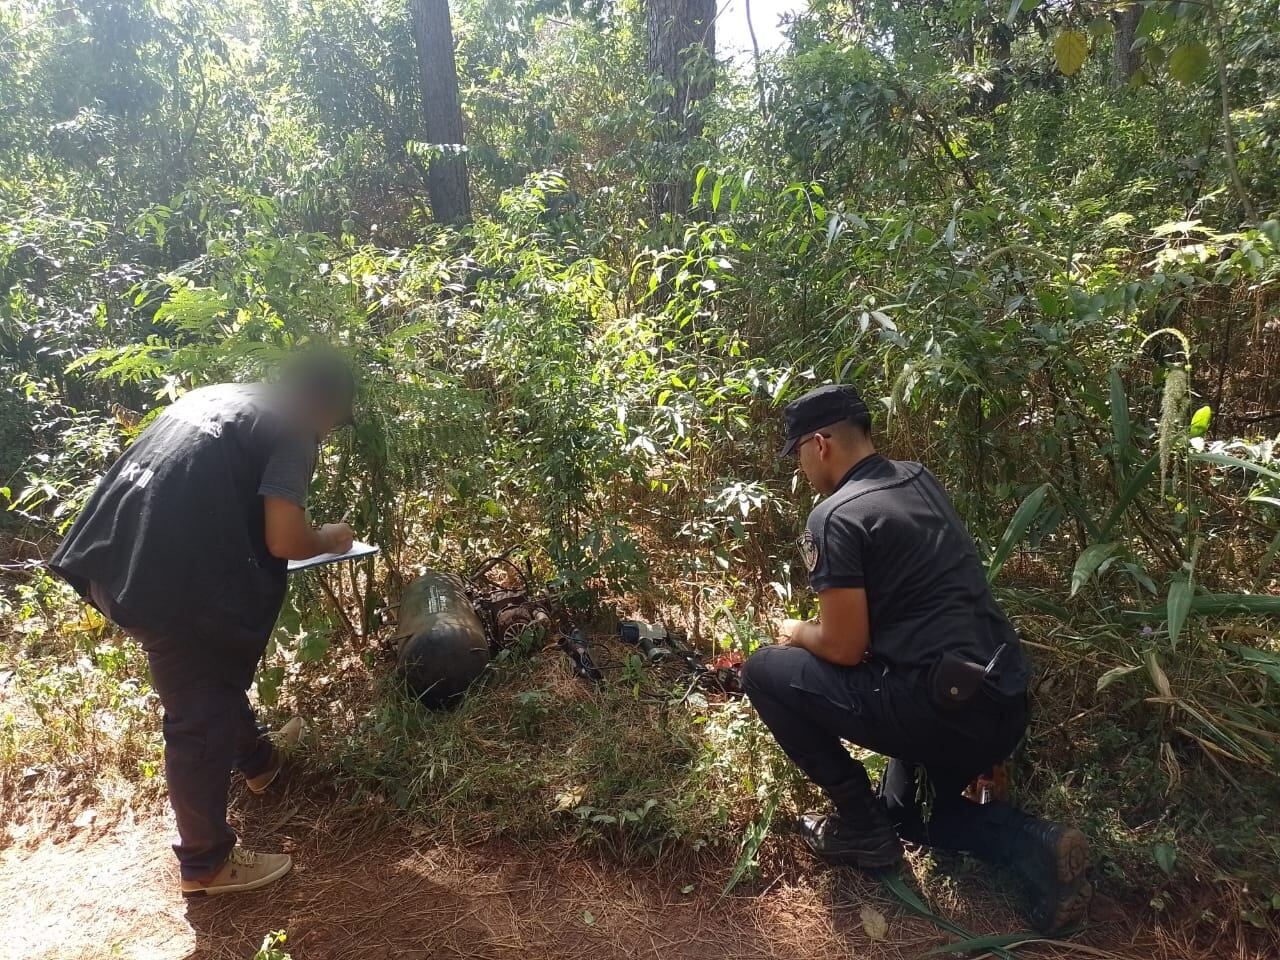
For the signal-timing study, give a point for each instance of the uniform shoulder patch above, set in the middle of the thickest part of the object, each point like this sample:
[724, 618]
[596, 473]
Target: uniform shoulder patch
[808, 551]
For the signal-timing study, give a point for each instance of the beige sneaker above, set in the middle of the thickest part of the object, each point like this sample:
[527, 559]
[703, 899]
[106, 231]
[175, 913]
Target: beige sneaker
[284, 742]
[242, 870]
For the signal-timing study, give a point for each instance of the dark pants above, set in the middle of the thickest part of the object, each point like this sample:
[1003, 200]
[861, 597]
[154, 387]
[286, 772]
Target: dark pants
[209, 729]
[811, 705]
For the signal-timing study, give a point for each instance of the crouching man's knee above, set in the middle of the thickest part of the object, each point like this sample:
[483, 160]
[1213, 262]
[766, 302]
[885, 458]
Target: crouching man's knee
[770, 670]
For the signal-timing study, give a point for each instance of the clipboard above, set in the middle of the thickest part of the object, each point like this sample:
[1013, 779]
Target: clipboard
[358, 550]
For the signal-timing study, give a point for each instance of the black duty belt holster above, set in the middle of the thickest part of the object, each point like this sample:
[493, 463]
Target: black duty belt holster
[954, 680]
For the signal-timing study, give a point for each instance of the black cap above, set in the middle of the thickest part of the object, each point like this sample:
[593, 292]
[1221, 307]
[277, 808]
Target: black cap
[820, 408]
[326, 375]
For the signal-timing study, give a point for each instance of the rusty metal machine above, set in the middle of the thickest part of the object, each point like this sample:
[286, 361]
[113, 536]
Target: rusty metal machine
[450, 629]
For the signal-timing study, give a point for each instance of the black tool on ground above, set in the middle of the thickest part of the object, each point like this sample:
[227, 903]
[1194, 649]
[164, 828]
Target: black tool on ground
[636, 633]
[660, 644]
[574, 644]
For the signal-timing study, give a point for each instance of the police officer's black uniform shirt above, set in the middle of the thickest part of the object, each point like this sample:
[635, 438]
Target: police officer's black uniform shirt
[889, 528]
[175, 531]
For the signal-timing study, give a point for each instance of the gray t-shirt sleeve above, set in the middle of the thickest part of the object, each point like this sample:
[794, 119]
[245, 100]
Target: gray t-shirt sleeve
[289, 468]
[833, 551]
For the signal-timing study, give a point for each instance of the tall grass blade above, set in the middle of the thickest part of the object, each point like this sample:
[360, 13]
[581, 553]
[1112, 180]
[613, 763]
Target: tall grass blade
[1121, 428]
[1268, 558]
[1130, 493]
[1226, 460]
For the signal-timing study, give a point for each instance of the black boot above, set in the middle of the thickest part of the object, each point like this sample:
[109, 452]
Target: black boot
[1053, 859]
[859, 834]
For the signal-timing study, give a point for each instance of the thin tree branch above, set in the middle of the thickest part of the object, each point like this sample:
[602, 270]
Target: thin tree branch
[1228, 133]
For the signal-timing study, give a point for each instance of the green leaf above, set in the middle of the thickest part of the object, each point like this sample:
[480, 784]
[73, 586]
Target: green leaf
[1088, 562]
[985, 944]
[1263, 660]
[1069, 51]
[1101, 27]
[1226, 460]
[1181, 590]
[896, 884]
[1153, 19]
[1264, 564]
[1220, 605]
[1130, 493]
[1166, 855]
[1188, 62]
[1114, 674]
[1017, 529]
[697, 185]
[1200, 421]
[1121, 427]
[715, 193]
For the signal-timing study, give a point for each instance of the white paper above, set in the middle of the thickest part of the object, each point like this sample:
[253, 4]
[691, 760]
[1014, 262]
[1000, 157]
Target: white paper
[357, 550]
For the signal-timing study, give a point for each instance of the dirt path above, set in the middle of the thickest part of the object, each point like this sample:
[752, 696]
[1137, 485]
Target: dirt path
[360, 891]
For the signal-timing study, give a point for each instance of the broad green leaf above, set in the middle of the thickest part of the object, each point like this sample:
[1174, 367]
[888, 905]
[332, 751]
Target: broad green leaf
[1200, 421]
[1088, 562]
[1155, 55]
[1069, 51]
[715, 193]
[1188, 61]
[1166, 855]
[1101, 27]
[1017, 529]
[1154, 19]
[1181, 590]
[1114, 674]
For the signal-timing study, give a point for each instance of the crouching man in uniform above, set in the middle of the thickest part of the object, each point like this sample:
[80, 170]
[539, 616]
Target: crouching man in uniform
[912, 658]
[184, 544]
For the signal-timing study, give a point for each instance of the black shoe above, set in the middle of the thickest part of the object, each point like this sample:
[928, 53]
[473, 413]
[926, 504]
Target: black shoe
[841, 844]
[1054, 859]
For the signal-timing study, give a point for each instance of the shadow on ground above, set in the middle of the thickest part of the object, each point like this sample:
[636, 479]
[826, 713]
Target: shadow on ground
[365, 887]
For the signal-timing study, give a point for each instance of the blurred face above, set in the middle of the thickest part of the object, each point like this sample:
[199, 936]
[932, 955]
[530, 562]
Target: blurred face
[814, 453]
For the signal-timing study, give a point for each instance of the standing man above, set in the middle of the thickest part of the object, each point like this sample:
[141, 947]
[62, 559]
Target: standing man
[184, 544]
[911, 657]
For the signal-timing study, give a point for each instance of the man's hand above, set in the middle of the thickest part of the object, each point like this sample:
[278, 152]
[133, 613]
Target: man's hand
[787, 630]
[841, 636]
[290, 537]
[338, 537]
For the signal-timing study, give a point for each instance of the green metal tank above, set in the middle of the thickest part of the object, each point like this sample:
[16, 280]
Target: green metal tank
[443, 648]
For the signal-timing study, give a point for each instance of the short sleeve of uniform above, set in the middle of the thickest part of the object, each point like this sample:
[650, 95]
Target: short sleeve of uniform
[289, 468]
[832, 549]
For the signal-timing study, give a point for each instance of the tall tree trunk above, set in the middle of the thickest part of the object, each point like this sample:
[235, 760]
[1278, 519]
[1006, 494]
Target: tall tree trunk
[682, 48]
[1126, 59]
[441, 110]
